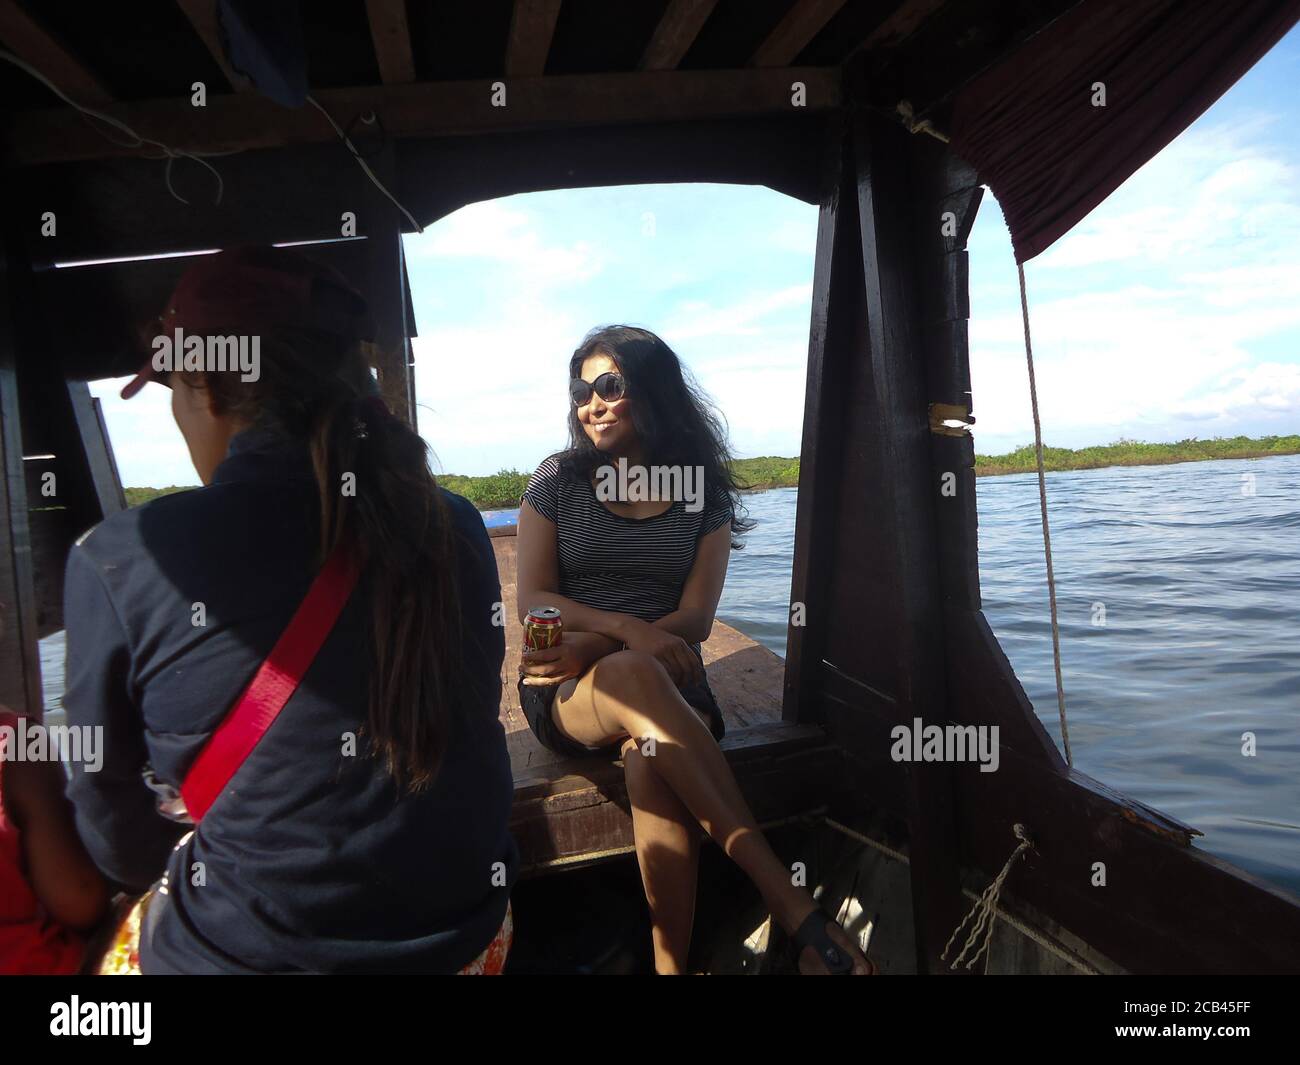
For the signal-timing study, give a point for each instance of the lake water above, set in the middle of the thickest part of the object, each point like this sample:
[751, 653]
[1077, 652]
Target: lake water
[1200, 585]
[1197, 570]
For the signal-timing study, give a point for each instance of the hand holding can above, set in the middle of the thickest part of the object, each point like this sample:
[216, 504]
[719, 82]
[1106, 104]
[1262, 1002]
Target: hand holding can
[543, 629]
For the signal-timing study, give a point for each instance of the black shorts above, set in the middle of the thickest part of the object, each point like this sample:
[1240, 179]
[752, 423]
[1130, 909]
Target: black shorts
[536, 701]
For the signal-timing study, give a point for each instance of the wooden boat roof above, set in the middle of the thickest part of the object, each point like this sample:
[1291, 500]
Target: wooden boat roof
[597, 94]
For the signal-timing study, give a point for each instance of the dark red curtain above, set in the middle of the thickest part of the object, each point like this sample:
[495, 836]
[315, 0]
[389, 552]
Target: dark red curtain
[1029, 125]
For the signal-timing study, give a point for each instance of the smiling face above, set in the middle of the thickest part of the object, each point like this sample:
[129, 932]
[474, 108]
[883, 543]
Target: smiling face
[608, 425]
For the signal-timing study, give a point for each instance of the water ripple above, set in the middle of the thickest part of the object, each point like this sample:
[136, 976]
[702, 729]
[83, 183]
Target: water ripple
[1180, 630]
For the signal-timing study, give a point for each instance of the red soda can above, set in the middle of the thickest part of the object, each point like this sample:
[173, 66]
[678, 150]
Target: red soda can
[542, 628]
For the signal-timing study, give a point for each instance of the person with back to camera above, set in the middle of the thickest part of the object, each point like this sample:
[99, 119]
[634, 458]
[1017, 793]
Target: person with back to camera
[366, 828]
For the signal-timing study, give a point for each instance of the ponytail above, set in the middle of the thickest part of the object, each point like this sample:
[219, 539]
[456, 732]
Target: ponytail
[378, 499]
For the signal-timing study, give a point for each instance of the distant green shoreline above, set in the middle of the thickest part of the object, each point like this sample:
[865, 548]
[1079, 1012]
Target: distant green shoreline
[501, 490]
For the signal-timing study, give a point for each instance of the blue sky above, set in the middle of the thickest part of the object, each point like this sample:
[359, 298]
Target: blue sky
[1173, 310]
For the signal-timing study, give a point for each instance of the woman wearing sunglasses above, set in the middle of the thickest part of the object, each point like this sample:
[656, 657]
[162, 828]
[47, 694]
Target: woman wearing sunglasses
[637, 581]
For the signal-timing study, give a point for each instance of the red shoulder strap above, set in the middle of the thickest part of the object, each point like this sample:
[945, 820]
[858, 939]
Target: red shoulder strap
[272, 685]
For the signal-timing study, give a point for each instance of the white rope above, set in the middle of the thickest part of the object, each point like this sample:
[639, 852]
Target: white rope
[1047, 535]
[1025, 930]
[137, 140]
[363, 164]
[898, 856]
[986, 906]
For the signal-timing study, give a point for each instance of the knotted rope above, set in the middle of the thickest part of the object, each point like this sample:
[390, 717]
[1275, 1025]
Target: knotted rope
[986, 907]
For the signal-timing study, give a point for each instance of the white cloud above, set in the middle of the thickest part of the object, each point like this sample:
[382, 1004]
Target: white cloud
[508, 236]
[1171, 311]
[700, 318]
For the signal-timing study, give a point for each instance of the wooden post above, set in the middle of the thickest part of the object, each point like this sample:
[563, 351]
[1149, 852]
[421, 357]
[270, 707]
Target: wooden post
[906, 508]
[387, 291]
[20, 671]
[819, 465]
[871, 654]
[97, 450]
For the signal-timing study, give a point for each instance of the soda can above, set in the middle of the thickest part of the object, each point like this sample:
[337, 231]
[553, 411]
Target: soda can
[542, 628]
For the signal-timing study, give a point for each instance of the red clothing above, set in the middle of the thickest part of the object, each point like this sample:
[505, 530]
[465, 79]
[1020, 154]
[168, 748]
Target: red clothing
[31, 943]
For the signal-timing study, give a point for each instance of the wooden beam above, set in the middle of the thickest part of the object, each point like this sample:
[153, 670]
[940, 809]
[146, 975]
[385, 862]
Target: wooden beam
[386, 288]
[428, 109]
[115, 208]
[101, 464]
[791, 35]
[20, 670]
[901, 23]
[945, 208]
[392, 39]
[675, 34]
[71, 477]
[834, 267]
[532, 25]
[203, 17]
[907, 506]
[30, 41]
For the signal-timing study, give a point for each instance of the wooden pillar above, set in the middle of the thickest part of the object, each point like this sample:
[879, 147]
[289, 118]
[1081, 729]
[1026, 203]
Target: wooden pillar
[835, 265]
[20, 672]
[886, 188]
[872, 654]
[71, 475]
[96, 450]
[387, 290]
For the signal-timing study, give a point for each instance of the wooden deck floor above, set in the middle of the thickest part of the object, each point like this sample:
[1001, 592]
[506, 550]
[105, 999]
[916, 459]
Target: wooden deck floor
[574, 810]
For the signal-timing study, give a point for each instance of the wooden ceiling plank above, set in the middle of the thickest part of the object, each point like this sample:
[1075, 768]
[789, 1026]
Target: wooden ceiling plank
[675, 34]
[791, 35]
[532, 25]
[392, 38]
[203, 17]
[905, 20]
[427, 109]
[31, 42]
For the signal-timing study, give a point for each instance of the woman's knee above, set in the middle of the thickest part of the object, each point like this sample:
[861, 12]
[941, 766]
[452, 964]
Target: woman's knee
[626, 671]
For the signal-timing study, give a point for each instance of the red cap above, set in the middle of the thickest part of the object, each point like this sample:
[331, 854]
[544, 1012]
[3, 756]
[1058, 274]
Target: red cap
[252, 291]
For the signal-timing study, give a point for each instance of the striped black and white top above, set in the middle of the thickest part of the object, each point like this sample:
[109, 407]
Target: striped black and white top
[634, 566]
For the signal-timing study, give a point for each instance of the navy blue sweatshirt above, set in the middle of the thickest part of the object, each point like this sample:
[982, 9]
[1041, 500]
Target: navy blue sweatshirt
[311, 860]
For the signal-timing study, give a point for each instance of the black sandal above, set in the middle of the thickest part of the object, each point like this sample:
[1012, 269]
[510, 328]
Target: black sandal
[812, 933]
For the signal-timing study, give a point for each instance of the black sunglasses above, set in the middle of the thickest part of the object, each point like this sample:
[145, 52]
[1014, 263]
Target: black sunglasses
[608, 386]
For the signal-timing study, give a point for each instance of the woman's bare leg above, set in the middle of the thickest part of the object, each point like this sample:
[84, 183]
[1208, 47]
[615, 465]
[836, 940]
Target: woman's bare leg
[630, 694]
[668, 852]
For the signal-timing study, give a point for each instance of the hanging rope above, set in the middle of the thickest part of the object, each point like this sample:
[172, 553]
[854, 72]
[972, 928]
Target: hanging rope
[1047, 535]
[986, 906]
[999, 914]
[136, 140]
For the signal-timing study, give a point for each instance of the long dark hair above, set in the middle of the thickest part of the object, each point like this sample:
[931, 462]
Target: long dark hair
[676, 422]
[318, 387]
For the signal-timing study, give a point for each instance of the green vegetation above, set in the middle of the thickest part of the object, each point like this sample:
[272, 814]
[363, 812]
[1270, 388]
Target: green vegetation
[136, 496]
[501, 490]
[498, 491]
[766, 472]
[1135, 453]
